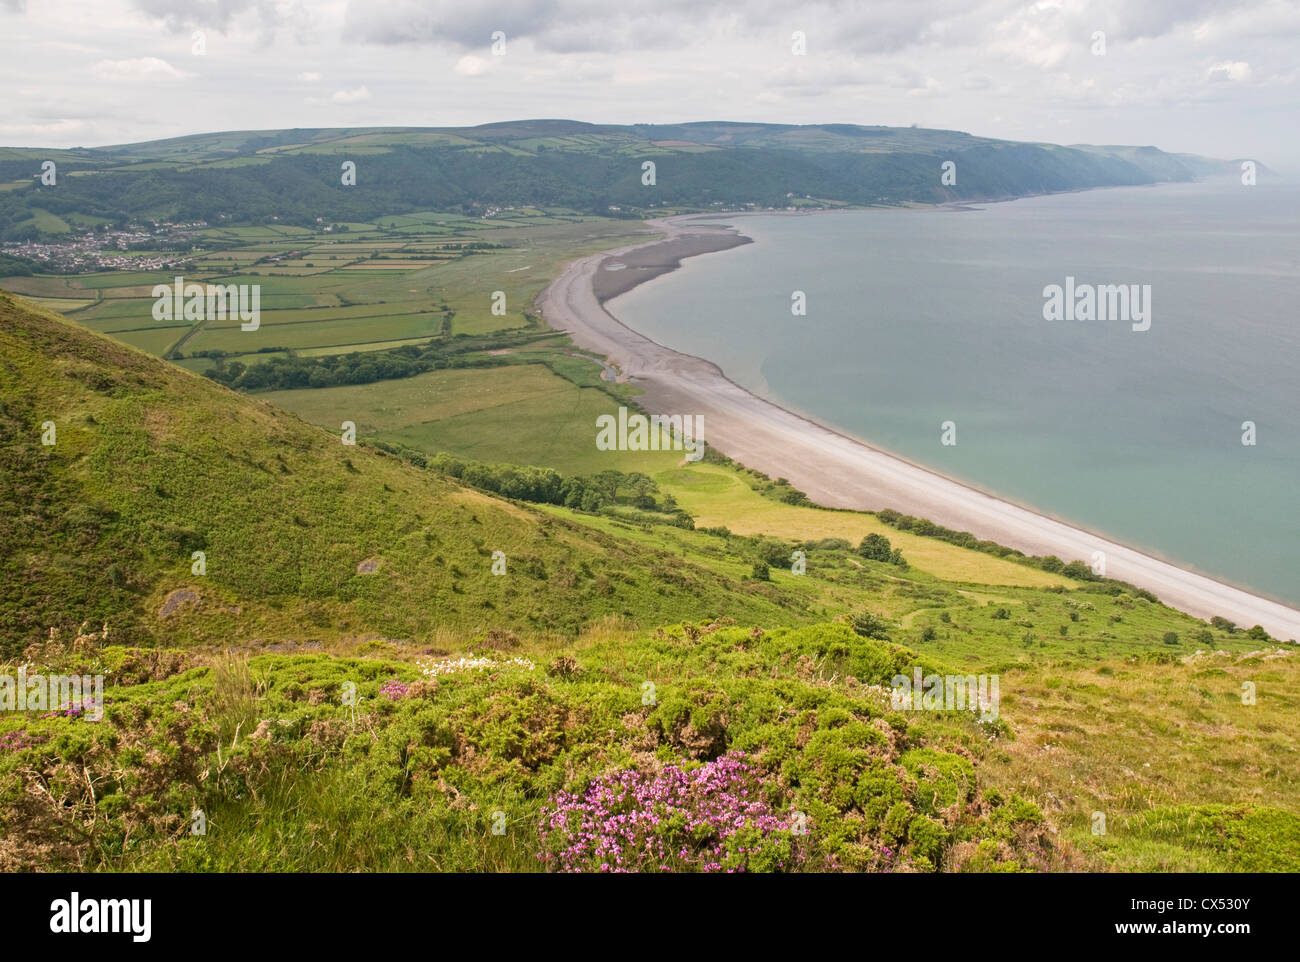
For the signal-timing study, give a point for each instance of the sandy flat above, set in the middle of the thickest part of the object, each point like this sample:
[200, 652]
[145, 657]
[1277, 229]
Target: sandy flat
[840, 471]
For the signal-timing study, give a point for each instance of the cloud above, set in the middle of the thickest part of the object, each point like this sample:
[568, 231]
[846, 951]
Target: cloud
[357, 96]
[52, 128]
[1040, 33]
[471, 66]
[140, 68]
[309, 77]
[556, 26]
[1229, 71]
[183, 14]
[263, 18]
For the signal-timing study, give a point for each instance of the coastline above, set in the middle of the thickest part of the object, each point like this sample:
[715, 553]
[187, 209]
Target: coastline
[833, 468]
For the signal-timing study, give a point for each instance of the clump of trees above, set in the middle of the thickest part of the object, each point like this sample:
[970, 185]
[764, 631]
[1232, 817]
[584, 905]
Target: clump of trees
[1257, 633]
[876, 547]
[928, 529]
[336, 370]
[593, 493]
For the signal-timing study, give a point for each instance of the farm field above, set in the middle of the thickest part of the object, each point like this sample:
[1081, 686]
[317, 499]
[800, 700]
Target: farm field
[521, 413]
[357, 286]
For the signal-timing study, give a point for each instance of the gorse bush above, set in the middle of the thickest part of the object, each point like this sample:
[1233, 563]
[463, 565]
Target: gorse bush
[870, 625]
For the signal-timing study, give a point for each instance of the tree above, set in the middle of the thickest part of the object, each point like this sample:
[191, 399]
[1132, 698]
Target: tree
[609, 481]
[869, 625]
[761, 572]
[1079, 571]
[773, 552]
[875, 547]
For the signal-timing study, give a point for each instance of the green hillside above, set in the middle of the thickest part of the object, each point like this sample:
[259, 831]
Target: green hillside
[152, 463]
[349, 687]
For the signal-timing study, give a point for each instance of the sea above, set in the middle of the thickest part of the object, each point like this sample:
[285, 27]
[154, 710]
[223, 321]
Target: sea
[924, 333]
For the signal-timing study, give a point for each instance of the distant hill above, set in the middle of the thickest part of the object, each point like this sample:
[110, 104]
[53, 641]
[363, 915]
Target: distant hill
[294, 175]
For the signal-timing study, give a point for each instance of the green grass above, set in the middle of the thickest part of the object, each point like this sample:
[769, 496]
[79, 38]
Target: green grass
[45, 285]
[307, 334]
[61, 305]
[289, 777]
[529, 415]
[523, 414]
[1183, 770]
[153, 463]
[46, 222]
[717, 495]
[154, 340]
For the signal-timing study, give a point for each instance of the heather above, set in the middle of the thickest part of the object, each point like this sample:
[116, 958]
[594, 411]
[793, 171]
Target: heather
[321, 762]
[711, 818]
[702, 746]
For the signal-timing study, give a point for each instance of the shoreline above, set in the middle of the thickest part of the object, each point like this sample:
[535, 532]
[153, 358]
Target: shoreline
[833, 468]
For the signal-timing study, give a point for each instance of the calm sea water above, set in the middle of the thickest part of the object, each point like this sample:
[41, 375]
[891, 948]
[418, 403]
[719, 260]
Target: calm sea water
[920, 317]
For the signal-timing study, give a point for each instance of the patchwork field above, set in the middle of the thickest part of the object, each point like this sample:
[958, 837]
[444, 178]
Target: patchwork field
[344, 287]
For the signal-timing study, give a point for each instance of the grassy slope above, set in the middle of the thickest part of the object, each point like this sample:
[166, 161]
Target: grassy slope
[153, 463]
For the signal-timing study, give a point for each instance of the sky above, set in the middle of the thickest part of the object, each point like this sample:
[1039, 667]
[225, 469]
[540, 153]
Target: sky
[1214, 77]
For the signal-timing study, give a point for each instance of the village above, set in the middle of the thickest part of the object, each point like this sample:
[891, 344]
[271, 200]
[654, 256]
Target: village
[133, 248]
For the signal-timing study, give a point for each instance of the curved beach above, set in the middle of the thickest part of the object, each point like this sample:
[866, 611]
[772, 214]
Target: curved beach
[833, 469]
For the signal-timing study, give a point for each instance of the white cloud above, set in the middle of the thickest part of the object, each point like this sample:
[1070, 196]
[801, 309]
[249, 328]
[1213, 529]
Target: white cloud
[471, 66]
[309, 77]
[140, 68]
[1229, 71]
[357, 96]
[54, 128]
